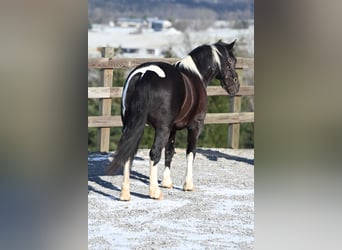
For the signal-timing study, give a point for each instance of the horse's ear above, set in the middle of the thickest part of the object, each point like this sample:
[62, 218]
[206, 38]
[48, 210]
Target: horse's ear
[220, 42]
[231, 45]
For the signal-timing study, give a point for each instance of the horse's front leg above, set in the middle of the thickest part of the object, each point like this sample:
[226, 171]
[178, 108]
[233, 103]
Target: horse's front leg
[169, 152]
[193, 134]
[125, 193]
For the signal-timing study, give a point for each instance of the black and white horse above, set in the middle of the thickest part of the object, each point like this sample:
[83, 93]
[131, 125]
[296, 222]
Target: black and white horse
[169, 98]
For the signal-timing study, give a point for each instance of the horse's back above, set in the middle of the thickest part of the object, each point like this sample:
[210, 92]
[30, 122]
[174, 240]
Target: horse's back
[172, 98]
[163, 89]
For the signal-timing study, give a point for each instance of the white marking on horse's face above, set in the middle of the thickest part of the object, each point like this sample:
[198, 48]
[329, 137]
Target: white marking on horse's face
[216, 54]
[188, 63]
[156, 69]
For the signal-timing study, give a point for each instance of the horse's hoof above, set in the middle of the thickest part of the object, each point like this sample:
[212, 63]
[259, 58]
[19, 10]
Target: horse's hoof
[165, 184]
[125, 196]
[188, 186]
[156, 194]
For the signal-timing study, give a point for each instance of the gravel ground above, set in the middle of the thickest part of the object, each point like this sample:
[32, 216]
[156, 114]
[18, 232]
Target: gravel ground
[219, 214]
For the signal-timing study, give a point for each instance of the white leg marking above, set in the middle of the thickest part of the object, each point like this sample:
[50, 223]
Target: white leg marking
[125, 194]
[156, 69]
[167, 182]
[155, 192]
[188, 185]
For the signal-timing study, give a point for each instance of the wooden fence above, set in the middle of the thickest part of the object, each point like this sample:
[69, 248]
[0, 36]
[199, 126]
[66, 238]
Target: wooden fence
[106, 93]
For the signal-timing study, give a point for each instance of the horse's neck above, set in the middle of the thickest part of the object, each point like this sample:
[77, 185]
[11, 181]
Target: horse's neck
[204, 79]
[208, 77]
[207, 70]
[194, 67]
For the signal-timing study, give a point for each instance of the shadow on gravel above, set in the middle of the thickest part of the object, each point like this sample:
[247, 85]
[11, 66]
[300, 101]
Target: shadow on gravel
[98, 163]
[213, 155]
[90, 188]
[96, 169]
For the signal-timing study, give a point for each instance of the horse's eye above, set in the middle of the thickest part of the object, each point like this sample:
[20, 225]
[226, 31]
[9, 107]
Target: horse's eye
[230, 60]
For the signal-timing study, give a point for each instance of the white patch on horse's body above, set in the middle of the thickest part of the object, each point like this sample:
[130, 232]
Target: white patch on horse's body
[156, 69]
[216, 54]
[188, 185]
[167, 182]
[188, 63]
[125, 193]
[155, 192]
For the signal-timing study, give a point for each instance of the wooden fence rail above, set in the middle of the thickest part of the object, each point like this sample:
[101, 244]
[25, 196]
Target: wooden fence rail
[128, 63]
[106, 93]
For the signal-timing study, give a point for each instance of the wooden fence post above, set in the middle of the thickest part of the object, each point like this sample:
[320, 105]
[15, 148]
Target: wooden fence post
[234, 129]
[103, 136]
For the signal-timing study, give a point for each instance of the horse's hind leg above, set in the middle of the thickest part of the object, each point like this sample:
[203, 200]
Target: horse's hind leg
[169, 152]
[160, 140]
[193, 134]
[125, 193]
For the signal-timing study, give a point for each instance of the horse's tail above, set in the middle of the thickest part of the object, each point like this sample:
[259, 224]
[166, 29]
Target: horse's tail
[134, 119]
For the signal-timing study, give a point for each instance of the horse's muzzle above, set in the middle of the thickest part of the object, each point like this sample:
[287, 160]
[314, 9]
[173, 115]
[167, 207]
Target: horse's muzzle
[233, 87]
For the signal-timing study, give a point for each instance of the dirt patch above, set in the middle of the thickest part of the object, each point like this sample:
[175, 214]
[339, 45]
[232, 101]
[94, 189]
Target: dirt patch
[219, 214]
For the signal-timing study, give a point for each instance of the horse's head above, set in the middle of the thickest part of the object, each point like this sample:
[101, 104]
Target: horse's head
[227, 73]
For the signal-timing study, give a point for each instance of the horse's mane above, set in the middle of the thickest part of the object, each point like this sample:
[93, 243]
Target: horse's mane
[188, 64]
[199, 58]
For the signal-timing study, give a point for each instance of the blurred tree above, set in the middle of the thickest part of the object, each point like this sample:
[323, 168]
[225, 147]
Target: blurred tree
[169, 53]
